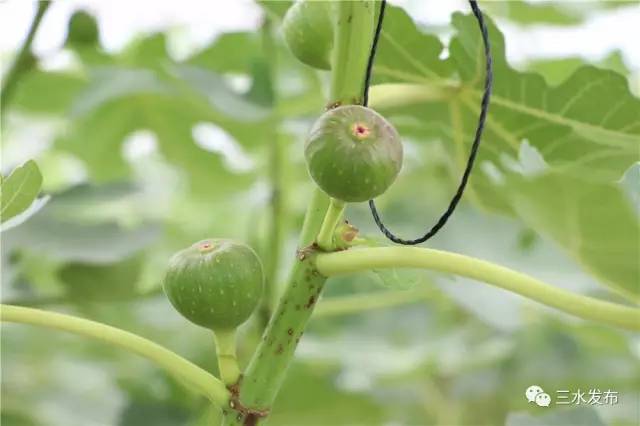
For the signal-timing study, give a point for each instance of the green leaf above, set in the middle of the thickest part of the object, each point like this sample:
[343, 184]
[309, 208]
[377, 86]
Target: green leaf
[586, 132]
[129, 100]
[47, 92]
[301, 405]
[10, 417]
[85, 282]
[589, 124]
[63, 232]
[578, 416]
[20, 189]
[101, 243]
[555, 71]
[592, 115]
[142, 412]
[407, 54]
[401, 279]
[219, 95]
[230, 53]
[276, 8]
[525, 13]
[595, 222]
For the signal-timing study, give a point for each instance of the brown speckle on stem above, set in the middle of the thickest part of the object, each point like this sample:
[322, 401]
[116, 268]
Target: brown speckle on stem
[310, 302]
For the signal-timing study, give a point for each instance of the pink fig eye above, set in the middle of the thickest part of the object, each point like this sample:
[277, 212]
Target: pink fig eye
[360, 130]
[206, 246]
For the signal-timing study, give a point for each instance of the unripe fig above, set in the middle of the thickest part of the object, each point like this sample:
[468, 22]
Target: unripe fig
[83, 29]
[308, 31]
[353, 153]
[215, 283]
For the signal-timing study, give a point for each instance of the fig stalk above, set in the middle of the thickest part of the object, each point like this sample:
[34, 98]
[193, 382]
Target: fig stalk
[225, 341]
[331, 220]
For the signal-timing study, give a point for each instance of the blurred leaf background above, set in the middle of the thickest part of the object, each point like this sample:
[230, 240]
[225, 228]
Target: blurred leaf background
[155, 143]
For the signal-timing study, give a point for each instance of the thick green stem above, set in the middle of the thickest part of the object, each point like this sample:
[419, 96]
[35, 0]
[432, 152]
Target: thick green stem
[267, 369]
[188, 373]
[23, 59]
[226, 352]
[331, 220]
[391, 95]
[352, 40]
[276, 178]
[411, 257]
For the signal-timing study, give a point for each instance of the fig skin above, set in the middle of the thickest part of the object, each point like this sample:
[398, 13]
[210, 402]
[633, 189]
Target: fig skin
[215, 283]
[83, 29]
[353, 154]
[308, 31]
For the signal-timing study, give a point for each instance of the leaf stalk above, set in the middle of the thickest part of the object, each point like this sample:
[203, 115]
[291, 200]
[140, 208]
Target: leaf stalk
[352, 261]
[192, 376]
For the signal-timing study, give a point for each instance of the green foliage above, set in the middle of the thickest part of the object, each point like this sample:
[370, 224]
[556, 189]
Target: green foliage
[19, 190]
[556, 71]
[596, 223]
[101, 283]
[580, 140]
[554, 194]
[526, 13]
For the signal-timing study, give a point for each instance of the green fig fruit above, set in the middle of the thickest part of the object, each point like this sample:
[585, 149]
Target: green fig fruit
[83, 29]
[308, 31]
[353, 154]
[215, 283]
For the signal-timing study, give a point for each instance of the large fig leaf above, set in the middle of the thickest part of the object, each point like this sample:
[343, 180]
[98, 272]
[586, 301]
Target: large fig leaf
[585, 131]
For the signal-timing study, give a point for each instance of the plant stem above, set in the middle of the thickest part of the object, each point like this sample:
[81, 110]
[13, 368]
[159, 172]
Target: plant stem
[353, 37]
[189, 374]
[389, 95]
[313, 218]
[331, 219]
[226, 352]
[351, 261]
[267, 369]
[276, 178]
[23, 59]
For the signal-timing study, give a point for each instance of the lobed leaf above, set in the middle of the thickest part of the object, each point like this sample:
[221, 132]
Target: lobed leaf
[585, 131]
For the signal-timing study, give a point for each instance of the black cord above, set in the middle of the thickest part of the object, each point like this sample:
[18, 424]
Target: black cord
[484, 106]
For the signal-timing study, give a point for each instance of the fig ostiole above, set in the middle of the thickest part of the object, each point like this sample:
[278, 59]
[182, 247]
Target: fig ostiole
[216, 284]
[353, 153]
[308, 31]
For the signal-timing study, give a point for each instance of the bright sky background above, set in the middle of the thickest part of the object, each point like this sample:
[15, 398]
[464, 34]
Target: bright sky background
[194, 23]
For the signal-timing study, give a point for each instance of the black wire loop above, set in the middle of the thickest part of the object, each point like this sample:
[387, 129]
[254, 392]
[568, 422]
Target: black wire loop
[484, 107]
